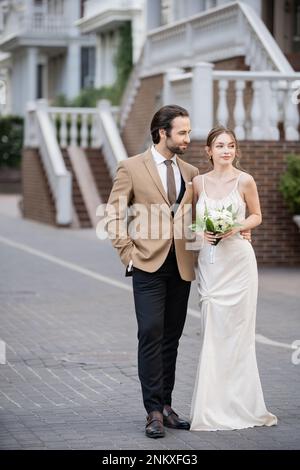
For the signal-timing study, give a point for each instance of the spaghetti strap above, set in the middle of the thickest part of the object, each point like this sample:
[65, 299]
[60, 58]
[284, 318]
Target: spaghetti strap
[203, 186]
[237, 182]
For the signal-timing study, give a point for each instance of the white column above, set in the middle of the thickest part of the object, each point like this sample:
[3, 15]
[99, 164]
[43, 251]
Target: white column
[113, 47]
[31, 89]
[168, 96]
[73, 70]
[72, 13]
[138, 34]
[153, 14]
[192, 6]
[46, 79]
[105, 59]
[202, 100]
[98, 60]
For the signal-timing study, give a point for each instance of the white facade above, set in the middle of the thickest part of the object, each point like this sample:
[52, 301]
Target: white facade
[162, 12]
[186, 38]
[281, 17]
[104, 18]
[41, 50]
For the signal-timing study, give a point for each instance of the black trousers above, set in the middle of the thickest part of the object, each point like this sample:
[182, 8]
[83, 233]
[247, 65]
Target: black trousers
[161, 304]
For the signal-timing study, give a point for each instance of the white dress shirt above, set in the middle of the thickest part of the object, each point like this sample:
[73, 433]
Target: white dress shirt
[162, 170]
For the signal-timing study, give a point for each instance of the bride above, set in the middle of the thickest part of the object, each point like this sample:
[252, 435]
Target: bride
[227, 393]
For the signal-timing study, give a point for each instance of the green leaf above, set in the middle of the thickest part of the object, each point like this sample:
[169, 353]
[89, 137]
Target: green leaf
[209, 225]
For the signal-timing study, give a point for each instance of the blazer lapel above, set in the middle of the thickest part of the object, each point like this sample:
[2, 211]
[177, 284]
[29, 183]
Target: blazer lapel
[188, 187]
[151, 167]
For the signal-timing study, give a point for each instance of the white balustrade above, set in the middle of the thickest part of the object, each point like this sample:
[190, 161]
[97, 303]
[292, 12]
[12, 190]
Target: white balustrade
[230, 30]
[76, 126]
[256, 116]
[40, 133]
[52, 128]
[112, 145]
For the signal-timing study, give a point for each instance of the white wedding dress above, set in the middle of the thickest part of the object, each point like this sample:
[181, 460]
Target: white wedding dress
[228, 393]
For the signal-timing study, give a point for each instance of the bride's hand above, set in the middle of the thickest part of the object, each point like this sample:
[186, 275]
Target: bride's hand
[228, 234]
[210, 237]
[246, 234]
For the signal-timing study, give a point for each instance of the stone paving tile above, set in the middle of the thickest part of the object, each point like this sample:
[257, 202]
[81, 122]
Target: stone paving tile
[71, 381]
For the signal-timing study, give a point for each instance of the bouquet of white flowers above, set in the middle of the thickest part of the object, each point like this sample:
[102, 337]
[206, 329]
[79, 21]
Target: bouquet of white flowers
[217, 221]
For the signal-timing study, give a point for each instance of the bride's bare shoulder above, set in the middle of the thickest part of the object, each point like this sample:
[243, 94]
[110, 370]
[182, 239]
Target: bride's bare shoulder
[246, 178]
[198, 183]
[198, 178]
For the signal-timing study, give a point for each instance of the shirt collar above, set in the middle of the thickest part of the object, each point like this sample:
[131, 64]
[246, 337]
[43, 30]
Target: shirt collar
[159, 158]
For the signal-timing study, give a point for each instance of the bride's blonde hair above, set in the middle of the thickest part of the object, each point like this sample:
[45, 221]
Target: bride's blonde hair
[214, 133]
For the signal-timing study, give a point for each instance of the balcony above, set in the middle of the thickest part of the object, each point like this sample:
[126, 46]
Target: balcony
[25, 26]
[221, 33]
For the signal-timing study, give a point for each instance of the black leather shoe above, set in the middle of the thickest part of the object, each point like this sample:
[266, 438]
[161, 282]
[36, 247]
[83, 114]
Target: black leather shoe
[171, 419]
[154, 425]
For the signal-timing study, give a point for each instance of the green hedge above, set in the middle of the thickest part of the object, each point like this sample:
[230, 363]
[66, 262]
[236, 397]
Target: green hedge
[290, 184]
[11, 141]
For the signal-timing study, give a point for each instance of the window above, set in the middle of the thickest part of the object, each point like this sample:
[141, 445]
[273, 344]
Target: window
[87, 67]
[40, 73]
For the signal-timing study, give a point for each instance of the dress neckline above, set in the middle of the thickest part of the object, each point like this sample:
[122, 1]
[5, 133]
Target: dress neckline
[225, 197]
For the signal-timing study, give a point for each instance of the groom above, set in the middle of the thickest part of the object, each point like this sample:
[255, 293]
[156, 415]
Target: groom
[157, 185]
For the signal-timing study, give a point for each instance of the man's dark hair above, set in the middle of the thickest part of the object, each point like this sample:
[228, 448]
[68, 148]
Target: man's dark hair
[163, 118]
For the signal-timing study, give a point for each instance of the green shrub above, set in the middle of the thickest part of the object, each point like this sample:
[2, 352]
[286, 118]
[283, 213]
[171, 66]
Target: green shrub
[89, 97]
[290, 184]
[11, 141]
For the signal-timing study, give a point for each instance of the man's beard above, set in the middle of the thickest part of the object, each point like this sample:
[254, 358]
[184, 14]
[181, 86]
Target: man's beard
[175, 150]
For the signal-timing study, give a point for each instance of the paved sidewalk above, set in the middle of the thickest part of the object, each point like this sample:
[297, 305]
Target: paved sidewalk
[70, 381]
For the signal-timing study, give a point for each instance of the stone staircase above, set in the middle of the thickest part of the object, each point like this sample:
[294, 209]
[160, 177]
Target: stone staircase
[101, 177]
[100, 172]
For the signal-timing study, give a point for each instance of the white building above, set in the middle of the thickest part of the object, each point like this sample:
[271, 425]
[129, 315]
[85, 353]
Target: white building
[281, 17]
[105, 17]
[238, 59]
[43, 53]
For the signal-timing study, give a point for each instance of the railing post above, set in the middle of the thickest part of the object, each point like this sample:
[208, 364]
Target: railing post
[239, 110]
[168, 96]
[30, 133]
[291, 115]
[222, 111]
[64, 200]
[202, 100]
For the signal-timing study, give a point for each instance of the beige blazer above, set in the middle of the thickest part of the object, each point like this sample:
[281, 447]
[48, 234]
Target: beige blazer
[139, 219]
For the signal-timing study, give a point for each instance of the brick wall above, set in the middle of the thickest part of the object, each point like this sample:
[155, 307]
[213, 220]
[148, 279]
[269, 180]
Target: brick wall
[38, 203]
[147, 101]
[277, 240]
